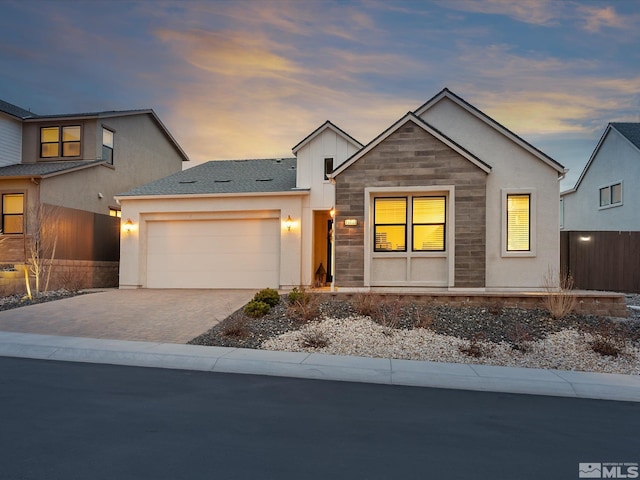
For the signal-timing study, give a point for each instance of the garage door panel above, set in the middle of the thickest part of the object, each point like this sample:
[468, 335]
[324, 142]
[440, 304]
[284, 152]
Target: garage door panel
[213, 254]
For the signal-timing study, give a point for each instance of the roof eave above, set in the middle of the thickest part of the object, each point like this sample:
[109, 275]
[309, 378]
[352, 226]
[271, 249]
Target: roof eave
[300, 192]
[320, 129]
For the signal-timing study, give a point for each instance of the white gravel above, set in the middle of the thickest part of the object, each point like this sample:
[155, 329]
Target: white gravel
[360, 336]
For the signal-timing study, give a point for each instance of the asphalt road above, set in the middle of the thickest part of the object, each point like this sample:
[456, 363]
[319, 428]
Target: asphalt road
[81, 421]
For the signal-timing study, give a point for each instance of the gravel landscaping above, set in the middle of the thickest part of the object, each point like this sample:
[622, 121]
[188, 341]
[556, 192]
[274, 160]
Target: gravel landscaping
[20, 300]
[386, 327]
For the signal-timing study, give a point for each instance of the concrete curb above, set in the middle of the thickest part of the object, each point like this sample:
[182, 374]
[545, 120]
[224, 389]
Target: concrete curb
[323, 367]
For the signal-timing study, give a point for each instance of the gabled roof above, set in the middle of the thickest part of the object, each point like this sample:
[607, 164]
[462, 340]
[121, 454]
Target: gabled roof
[322, 128]
[630, 131]
[446, 93]
[411, 117]
[45, 170]
[111, 114]
[225, 177]
[15, 111]
[30, 117]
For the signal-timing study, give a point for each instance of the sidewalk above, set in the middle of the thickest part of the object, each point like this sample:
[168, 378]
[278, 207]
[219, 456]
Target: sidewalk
[321, 366]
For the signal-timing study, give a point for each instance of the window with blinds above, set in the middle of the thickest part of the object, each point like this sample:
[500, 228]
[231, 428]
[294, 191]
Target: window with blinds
[428, 224]
[390, 224]
[518, 223]
[12, 213]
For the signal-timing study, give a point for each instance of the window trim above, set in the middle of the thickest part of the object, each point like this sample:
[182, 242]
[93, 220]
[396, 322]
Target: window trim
[449, 191]
[531, 192]
[112, 147]
[610, 186]
[328, 169]
[23, 214]
[61, 143]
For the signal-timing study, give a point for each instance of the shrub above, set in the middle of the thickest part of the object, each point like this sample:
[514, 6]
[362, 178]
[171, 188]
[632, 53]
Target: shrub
[314, 339]
[607, 340]
[475, 347]
[235, 328]
[366, 304]
[256, 309]
[268, 295]
[559, 299]
[304, 306]
[297, 295]
[520, 337]
[388, 312]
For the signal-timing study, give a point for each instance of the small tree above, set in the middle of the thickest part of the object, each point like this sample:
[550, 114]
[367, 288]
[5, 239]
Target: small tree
[41, 248]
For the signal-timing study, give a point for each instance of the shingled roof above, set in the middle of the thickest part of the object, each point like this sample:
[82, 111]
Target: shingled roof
[225, 177]
[45, 169]
[15, 111]
[630, 130]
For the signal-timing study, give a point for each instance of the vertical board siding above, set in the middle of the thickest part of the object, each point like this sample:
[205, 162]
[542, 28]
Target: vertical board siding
[607, 261]
[10, 142]
[86, 235]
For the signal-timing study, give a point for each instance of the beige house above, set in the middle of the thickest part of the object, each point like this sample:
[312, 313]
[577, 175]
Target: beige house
[444, 199]
[71, 166]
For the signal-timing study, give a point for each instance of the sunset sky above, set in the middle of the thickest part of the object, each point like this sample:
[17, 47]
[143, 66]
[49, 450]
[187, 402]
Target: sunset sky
[250, 78]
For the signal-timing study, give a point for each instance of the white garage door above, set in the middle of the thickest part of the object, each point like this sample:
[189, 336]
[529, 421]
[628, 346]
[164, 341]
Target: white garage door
[239, 253]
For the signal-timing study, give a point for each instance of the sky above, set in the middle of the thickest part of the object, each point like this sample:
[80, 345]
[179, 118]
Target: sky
[251, 78]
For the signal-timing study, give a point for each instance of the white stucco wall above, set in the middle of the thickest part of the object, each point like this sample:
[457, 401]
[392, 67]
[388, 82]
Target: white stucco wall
[617, 160]
[310, 175]
[513, 168]
[133, 247]
[10, 140]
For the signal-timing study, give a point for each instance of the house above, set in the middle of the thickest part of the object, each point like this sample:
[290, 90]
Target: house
[60, 173]
[446, 198]
[600, 215]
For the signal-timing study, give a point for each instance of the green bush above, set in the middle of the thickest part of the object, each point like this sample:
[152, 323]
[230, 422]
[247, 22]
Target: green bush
[269, 296]
[296, 295]
[256, 309]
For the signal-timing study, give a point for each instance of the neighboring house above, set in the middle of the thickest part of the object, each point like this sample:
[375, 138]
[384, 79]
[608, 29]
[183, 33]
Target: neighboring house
[71, 166]
[445, 198]
[600, 215]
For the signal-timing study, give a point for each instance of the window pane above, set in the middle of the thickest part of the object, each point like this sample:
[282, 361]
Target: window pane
[71, 149]
[12, 224]
[13, 203]
[390, 238]
[605, 196]
[518, 222]
[428, 210]
[49, 134]
[428, 237]
[107, 137]
[107, 154]
[50, 150]
[391, 210]
[616, 193]
[70, 134]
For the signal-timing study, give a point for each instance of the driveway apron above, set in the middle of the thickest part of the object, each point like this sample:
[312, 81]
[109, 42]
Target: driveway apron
[168, 316]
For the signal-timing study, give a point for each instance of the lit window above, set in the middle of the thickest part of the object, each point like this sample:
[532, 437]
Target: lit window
[518, 223]
[60, 141]
[13, 213]
[114, 212]
[107, 145]
[390, 224]
[611, 195]
[429, 224]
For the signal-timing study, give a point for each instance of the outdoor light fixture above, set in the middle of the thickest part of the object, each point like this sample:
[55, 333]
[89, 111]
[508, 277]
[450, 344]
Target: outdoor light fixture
[128, 225]
[288, 223]
[332, 212]
[585, 238]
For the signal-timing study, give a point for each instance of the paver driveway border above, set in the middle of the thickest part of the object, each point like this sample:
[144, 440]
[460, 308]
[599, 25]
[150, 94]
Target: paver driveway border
[152, 315]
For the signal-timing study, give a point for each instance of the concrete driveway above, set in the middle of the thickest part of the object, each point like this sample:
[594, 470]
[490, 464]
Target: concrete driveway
[168, 316]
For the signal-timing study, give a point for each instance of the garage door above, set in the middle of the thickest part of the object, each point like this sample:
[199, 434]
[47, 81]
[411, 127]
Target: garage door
[238, 253]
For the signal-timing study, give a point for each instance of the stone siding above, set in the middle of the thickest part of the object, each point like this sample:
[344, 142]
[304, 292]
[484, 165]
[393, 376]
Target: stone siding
[412, 157]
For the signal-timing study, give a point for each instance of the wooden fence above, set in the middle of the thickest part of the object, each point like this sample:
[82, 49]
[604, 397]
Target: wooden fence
[608, 261]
